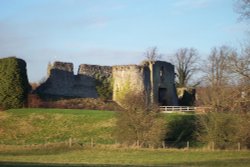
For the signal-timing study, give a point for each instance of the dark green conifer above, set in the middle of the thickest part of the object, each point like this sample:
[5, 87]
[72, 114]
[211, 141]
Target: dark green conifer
[14, 85]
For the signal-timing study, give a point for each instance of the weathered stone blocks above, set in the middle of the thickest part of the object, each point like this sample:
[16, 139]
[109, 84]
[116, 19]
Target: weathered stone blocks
[155, 79]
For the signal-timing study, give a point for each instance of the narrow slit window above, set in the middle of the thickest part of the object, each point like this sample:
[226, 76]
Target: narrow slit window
[162, 74]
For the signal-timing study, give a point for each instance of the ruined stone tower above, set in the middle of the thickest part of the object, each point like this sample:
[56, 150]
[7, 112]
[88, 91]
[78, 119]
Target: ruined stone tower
[155, 79]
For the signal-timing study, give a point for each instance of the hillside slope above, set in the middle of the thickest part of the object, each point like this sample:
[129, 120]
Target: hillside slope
[39, 126]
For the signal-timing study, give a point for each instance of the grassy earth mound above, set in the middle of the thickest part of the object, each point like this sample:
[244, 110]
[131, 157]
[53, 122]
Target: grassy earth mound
[38, 126]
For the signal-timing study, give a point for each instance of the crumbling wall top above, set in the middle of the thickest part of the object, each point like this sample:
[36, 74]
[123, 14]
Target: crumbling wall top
[127, 67]
[92, 70]
[64, 66]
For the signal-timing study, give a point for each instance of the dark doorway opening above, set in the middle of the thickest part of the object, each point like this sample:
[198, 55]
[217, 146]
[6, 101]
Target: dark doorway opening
[162, 96]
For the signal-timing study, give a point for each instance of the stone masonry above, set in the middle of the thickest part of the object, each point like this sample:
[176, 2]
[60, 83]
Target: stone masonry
[62, 82]
[156, 80]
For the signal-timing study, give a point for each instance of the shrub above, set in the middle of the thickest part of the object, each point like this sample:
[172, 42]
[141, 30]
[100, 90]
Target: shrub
[104, 86]
[181, 128]
[139, 125]
[14, 86]
[222, 129]
[244, 130]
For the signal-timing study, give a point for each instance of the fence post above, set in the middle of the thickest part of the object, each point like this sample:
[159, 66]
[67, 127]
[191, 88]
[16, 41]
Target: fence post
[163, 144]
[45, 142]
[187, 144]
[137, 143]
[239, 146]
[92, 142]
[70, 142]
[212, 146]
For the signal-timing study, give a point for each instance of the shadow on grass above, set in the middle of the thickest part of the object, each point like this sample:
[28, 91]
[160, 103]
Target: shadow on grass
[26, 164]
[241, 162]
[52, 150]
[182, 128]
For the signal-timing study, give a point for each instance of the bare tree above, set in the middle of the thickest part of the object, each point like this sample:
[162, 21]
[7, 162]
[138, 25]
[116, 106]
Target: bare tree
[243, 8]
[185, 61]
[215, 68]
[217, 93]
[240, 63]
[152, 54]
[226, 79]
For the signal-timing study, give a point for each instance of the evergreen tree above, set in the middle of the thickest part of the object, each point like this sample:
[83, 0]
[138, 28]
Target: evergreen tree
[14, 86]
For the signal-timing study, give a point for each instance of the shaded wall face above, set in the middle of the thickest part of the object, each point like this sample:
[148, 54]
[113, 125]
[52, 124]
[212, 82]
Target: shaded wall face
[65, 84]
[164, 90]
[62, 82]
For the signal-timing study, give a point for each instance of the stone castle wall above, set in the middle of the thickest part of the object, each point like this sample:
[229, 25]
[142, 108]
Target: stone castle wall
[63, 66]
[163, 83]
[62, 82]
[92, 70]
[154, 79]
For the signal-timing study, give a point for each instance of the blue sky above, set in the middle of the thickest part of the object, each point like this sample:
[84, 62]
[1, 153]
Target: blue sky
[110, 32]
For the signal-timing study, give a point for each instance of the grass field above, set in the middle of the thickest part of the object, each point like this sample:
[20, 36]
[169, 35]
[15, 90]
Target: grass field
[38, 137]
[126, 157]
[38, 126]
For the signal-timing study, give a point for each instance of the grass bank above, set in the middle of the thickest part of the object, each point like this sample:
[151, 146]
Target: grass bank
[41, 126]
[38, 126]
[36, 137]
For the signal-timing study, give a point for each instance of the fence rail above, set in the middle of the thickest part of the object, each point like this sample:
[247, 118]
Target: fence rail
[172, 109]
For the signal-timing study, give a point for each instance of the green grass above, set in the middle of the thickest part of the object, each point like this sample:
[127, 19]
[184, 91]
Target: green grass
[23, 133]
[135, 157]
[38, 126]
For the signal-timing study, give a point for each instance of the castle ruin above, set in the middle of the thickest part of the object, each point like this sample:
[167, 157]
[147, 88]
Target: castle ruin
[155, 79]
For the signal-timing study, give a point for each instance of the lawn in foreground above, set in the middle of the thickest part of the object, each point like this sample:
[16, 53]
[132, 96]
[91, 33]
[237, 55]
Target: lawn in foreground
[134, 157]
